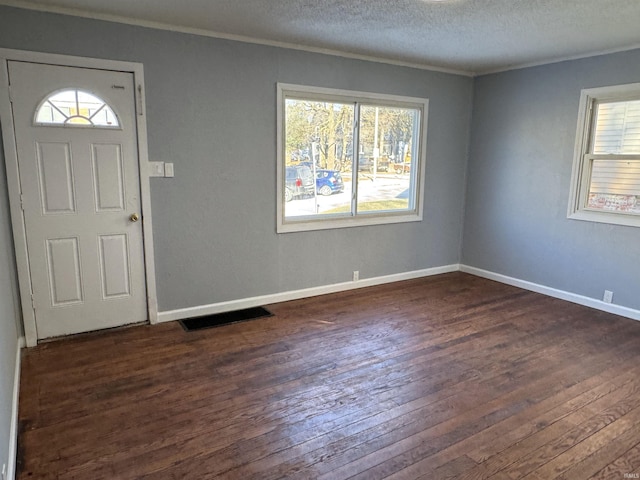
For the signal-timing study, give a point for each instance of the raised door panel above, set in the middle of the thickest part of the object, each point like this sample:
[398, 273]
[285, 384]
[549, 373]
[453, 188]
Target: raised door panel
[114, 266]
[65, 277]
[55, 178]
[108, 177]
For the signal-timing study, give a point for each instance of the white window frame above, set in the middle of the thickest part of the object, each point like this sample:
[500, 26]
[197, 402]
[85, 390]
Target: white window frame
[583, 158]
[66, 123]
[414, 214]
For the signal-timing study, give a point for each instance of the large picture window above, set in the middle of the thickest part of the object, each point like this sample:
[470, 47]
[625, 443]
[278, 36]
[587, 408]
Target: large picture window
[606, 171]
[348, 158]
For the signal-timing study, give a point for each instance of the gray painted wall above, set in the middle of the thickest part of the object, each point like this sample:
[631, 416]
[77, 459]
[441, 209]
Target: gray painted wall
[211, 108]
[523, 133]
[8, 319]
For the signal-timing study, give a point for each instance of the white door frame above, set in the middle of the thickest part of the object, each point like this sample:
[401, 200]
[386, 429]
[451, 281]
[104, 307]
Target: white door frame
[13, 175]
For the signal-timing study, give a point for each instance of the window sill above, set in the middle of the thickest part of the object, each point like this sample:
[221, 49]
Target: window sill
[305, 225]
[623, 219]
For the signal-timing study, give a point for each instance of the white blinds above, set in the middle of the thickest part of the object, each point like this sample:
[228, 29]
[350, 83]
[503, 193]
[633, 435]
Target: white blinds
[617, 128]
[616, 133]
[617, 177]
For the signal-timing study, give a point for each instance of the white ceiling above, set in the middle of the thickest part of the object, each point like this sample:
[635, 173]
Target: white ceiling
[470, 36]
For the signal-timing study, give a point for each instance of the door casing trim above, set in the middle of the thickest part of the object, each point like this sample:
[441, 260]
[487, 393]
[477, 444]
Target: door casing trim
[13, 174]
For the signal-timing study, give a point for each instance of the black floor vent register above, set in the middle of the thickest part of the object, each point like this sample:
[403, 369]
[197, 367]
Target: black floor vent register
[219, 319]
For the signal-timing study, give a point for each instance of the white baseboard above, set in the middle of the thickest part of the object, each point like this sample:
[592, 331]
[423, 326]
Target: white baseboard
[228, 306]
[13, 434]
[200, 310]
[552, 292]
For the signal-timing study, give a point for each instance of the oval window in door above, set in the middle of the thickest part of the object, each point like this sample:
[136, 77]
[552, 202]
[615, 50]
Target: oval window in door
[75, 108]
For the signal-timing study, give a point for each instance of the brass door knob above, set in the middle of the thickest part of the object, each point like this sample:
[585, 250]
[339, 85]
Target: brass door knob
[134, 217]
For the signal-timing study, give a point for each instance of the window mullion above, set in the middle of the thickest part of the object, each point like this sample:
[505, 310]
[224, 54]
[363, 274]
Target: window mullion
[415, 155]
[622, 157]
[354, 159]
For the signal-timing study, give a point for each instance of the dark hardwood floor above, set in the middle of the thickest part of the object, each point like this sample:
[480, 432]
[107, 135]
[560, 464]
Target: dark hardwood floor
[451, 376]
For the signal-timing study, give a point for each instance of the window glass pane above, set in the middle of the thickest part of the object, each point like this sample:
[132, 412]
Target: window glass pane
[615, 186]
[387, 158]
[76, 107]
[615, 203]
[88, 99]
[105, 117]
[318, 152]
[617, 128]
[48, 114]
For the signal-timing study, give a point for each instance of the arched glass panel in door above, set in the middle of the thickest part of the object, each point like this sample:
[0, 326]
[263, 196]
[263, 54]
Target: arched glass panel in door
[75, 108]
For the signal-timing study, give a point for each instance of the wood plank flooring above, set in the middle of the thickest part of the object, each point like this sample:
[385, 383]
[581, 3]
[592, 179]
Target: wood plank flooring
[447, 377]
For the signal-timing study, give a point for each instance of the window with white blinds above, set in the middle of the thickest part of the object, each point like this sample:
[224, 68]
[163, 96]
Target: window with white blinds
[617, 127]
[606, 177]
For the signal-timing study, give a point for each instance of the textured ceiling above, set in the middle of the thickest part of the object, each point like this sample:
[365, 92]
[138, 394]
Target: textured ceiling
[472, 36]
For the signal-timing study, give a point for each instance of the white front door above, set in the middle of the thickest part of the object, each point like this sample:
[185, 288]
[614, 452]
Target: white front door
[76, 141]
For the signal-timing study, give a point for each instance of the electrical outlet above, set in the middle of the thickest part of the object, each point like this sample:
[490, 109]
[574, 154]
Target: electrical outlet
[168, 170]
[356, 275]
[608, 296]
